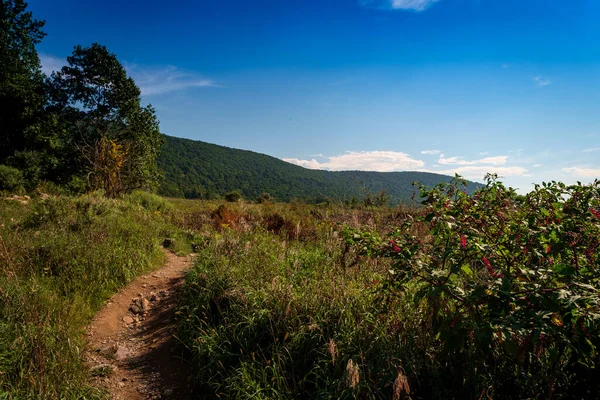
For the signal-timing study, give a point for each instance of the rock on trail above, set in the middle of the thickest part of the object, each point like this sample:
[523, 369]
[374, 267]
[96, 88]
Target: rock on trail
[130, 348]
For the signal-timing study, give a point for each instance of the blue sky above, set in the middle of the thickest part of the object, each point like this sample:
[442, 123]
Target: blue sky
[467, 86]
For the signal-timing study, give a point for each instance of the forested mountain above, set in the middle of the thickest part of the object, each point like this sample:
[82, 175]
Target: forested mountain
[196, 169]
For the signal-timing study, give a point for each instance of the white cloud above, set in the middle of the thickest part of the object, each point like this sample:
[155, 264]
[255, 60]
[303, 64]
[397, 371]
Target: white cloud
[383, 161]
[51, 63]
[413, 5]
[541, 81]
[537, 165]
[479, 172]
[498, 160]
[310, 164]
[152, 81]
[584, 172]
[430, 152]
[591, 150]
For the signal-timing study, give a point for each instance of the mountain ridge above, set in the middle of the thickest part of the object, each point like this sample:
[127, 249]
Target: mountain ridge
[197, 169]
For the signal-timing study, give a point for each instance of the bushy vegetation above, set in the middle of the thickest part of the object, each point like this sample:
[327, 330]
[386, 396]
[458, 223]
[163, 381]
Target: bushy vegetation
[11, 179]
[60, 259]
[487, 296]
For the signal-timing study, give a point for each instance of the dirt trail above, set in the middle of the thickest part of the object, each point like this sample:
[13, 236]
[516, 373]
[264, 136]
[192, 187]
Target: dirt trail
[131, 342]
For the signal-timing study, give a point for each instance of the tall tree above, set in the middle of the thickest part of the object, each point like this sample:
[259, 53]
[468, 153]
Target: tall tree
[115, 139]
[21, 80]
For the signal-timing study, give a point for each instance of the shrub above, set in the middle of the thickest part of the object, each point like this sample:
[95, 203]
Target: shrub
[265, 198]
[509, 286]
[233, 196]
[11, 179]
[149, 201]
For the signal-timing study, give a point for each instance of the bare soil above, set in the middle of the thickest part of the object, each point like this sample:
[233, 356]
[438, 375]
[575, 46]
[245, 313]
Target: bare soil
[131, 344]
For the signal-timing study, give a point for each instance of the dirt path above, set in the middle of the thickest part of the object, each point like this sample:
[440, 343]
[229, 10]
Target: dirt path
[131, 340]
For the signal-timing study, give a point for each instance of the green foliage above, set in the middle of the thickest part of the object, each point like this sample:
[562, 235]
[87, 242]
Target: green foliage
[265, 198]
[11, 179]
[22, 92]
[110, 136]
[510, 285]
[195, 169]
[233, 196]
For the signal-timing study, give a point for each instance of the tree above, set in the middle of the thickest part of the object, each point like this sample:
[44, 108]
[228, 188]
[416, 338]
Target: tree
[233, 196]
[21, 80]
[113, 138]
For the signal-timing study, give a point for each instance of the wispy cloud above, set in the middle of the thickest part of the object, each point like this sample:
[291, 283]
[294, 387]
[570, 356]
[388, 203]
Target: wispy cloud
[583, 172]
[160, 80]
[150, 80]
[413, 5]
[537, 165]
[430, 152]
[51, 63]
[541, 81]
[498, 160]
[383, 161]
[591, 150]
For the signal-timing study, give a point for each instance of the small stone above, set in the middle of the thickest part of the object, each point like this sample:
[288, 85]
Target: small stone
[145, 304]
[128, 320]
[122, 353]
[134, 308]
[121, 384]
[144, 286]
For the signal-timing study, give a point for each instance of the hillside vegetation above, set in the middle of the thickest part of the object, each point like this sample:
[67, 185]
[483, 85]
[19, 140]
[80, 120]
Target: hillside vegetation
[195, 169]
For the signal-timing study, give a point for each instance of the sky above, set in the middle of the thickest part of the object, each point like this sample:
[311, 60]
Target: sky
[449, 86]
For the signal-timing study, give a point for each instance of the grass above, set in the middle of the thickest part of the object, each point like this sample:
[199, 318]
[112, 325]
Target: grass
[278, 307]
[272, 315]
[60, 259]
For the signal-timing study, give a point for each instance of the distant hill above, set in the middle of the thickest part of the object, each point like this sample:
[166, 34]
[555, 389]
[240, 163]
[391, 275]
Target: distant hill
[195, 169]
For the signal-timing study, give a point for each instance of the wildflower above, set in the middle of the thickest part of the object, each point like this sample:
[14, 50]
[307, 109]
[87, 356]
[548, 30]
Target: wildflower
[395, 247]
[595, 211]
[490, 269]
[557, 321]
[463, 241]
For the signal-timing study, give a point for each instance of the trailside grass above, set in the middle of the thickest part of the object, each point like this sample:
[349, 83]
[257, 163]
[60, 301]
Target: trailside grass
[60, 259]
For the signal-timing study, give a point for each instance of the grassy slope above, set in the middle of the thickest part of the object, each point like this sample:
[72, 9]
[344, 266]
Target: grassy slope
[60, 259]
[192, 167]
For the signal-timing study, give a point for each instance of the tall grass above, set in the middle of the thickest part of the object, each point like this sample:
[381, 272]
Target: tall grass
[279, 306]
[272, 316]
[60, 259]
